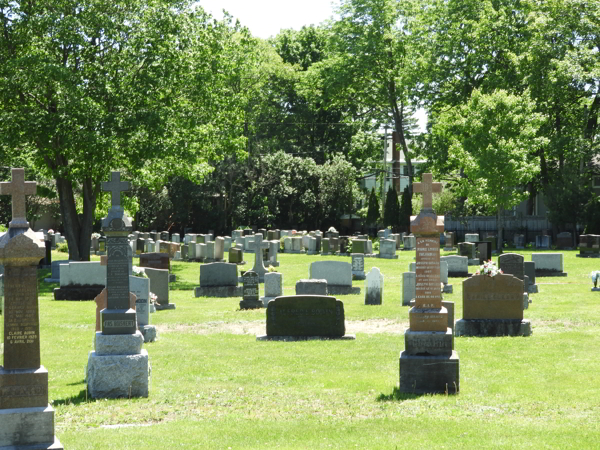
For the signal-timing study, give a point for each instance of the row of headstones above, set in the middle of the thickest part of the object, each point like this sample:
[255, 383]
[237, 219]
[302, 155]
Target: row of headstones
[273, 288]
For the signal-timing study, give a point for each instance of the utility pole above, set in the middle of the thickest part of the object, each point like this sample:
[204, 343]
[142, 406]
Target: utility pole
[383, 178]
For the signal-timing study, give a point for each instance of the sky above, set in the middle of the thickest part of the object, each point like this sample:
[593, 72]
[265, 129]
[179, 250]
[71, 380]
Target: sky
[265, 18]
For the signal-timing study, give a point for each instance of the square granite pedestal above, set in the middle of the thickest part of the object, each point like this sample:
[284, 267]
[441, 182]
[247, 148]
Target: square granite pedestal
[429, 374]
[118, 367]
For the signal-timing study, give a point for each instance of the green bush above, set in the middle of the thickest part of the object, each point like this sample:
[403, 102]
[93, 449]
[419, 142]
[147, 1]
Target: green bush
[63, 247]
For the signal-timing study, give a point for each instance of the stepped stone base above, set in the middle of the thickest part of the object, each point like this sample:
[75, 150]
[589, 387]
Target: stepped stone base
[492, 327]
[342, 290]
[160, 307]
[28, 428]
[78, 292]
[118, 376]
[429, 374]
[549, 273]
[118, 344]
[219, 291]
[251, 304]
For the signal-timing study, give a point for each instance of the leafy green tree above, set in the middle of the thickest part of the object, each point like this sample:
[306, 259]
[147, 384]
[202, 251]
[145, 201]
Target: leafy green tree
[90, 87]
[494, 141]
[391, 214]
[406, 210]
[373, 211]
[368, 73]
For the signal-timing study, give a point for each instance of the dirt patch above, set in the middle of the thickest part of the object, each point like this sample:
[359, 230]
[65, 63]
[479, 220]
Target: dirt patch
[372, 326]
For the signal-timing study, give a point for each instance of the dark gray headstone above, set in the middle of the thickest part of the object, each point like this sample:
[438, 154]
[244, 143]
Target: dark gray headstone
[309, 315]
[512, 264]
[218, 274]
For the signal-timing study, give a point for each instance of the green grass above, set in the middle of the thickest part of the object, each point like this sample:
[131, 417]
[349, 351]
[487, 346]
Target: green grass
[213, 386]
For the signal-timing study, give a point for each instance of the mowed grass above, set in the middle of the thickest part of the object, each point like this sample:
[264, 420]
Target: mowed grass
[213, 386]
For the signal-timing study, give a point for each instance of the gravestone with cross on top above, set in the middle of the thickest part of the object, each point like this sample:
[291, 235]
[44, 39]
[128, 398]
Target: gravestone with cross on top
[118, 366]
[23, 380]
[428, 363]
[259, 266]
[118, 317]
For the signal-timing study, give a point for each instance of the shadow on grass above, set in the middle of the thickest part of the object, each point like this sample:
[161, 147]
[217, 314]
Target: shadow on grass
[73, 400]
[396, 395]
[183, 286]
[43, 287]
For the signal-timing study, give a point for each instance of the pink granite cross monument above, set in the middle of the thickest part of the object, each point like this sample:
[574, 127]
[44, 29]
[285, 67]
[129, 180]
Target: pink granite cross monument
[427, 187]
[18, 188]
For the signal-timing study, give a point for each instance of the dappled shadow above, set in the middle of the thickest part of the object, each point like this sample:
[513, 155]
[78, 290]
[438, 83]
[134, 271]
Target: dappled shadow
[396, 395]
[43, 287]
[76, 383]
[72, 400]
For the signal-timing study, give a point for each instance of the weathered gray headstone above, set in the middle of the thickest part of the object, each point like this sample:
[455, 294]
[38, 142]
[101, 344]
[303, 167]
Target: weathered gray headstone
[311, 287]
[273, 286]
[374, 287]
[358, 266]
[219, 280]
[338, 275]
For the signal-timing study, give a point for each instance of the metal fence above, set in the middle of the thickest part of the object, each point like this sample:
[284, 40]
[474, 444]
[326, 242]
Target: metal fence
[530, 227]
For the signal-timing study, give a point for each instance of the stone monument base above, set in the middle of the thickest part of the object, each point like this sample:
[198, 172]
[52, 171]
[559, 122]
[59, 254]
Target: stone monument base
[251, 304]
[492, 327]
[358, 276]
[149, 332]
[346, 337]
[219, 291]
[78, 292]
[28, 429]
[447, 289]
[273, 264]
[424, 374]
[588, 255]
[265, 300]
[387, 256]
[116, 376]
[549, 273]
[333, 289]
[160, 307]
[533, 289]
[172, 278]
[474, 262]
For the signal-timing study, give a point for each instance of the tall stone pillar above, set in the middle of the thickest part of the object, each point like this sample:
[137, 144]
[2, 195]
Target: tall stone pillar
[428, 363]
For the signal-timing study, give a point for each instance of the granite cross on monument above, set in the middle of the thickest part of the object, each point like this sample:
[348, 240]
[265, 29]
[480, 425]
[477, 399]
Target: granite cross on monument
[427, 187]
[26, 418]
[115, 186]
[18, 188]
[259, 266]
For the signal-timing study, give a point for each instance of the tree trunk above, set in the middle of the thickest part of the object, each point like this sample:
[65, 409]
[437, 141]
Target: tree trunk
[78, 232]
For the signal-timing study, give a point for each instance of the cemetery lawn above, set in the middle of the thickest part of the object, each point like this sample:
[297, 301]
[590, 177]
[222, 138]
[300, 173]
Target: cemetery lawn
[213, 386]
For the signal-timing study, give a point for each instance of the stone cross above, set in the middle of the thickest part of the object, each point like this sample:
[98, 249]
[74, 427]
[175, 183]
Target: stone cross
[258, 245]
[115, 186]
[18, 188]
[427, 188]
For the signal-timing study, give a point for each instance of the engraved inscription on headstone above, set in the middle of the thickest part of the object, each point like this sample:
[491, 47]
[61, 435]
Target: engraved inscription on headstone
[117, 273]
[428, 273]
[251, 286]
[21, 321]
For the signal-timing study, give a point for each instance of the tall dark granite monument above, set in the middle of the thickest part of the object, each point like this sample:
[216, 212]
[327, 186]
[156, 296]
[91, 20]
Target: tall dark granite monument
[26, 418]
[428, 363]
[119, 366]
